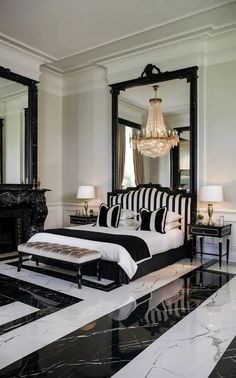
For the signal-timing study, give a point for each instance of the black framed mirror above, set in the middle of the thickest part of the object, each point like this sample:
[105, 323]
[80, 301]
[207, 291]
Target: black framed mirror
[174, 85]
[18, 129]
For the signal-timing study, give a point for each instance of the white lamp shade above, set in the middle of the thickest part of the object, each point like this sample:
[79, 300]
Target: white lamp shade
[86, 192]
[211, 193]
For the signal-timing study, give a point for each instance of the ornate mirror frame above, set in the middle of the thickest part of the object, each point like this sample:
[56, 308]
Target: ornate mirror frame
[31, 127]
[150, 75]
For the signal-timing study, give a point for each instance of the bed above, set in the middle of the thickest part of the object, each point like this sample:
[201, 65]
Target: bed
[119, 263]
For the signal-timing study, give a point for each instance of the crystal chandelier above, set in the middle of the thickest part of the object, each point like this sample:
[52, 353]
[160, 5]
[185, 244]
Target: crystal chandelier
[155, 140]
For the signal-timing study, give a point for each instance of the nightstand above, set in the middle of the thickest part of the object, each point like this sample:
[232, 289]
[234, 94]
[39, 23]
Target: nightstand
[219, 232]
[83, 219]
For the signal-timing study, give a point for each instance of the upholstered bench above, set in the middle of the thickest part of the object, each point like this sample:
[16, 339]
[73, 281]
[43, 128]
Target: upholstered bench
[66, 253]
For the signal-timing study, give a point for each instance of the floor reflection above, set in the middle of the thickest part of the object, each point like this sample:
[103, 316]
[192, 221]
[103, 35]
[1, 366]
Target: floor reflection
[103, 347]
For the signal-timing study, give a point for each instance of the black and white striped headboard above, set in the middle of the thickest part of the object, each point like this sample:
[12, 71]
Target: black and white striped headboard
[152, 197]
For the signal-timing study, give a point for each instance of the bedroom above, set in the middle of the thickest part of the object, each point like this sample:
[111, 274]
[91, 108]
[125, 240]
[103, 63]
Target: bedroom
[74, 113]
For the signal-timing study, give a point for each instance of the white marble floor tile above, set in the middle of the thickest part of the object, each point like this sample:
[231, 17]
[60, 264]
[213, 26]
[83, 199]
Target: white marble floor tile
[14, 311]
[193, 346]
[95, 304]
[66, 271]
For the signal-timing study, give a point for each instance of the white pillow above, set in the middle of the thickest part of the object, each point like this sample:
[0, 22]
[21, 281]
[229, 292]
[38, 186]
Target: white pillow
[171, 225]
[127, 214]
[173, 216]
[129, 223]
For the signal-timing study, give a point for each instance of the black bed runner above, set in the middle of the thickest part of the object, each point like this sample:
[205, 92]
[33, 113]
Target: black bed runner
[136, 246]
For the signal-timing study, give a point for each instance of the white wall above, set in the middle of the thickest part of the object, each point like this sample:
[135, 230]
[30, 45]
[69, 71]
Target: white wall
[86, 136]
[217, 149]
[220, 154]
[50, 144]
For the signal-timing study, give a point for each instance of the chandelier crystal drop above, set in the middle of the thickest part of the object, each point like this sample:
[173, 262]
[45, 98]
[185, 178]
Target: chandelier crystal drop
[155, 140]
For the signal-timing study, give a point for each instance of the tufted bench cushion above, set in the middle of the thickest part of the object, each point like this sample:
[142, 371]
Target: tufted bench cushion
[70, 254]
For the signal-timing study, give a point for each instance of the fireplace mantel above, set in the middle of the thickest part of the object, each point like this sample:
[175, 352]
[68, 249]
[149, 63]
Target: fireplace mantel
[28, 208]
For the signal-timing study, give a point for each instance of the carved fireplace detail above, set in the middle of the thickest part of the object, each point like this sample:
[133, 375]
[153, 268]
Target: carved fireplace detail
[22, 214]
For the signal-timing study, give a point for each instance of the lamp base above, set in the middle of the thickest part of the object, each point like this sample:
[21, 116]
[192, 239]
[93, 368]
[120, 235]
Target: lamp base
[86, 207]
[210, 213]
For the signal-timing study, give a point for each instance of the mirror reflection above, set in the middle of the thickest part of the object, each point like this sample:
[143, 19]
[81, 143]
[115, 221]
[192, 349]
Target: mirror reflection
[171, 169]
[13, 116]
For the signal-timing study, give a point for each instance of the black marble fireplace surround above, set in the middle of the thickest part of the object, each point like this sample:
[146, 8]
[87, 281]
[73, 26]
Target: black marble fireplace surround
[22, 213]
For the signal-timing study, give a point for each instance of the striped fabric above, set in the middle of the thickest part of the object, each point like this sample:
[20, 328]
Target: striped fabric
[108, 216]
[153, 220]
[153, 198]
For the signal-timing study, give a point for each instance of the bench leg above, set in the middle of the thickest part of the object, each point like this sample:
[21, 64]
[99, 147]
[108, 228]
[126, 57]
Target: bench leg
[98, 273]
[19, 262]
[79, 276]
[37, 261]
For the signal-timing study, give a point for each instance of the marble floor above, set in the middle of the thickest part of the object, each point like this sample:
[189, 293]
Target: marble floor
[176, 322]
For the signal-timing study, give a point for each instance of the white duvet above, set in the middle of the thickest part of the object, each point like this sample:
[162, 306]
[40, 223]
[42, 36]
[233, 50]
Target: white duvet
[156, 242]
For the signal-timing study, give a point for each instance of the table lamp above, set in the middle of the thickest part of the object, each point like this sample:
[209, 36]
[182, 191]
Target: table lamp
[85, 192]
[210, 194]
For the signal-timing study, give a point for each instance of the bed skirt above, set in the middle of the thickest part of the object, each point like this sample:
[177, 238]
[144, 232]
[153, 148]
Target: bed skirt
[112, 271]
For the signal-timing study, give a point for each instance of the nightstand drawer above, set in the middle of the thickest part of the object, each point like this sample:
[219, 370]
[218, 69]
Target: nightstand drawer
[195, 230]
[80, 219]
[214, 231]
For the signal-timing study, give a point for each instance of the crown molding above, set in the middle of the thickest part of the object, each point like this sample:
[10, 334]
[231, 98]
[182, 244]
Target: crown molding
[209, 25]
[20, 61]
[203, 25]
[130, 111]
[13, 43]
[85, 80]
[50, 81]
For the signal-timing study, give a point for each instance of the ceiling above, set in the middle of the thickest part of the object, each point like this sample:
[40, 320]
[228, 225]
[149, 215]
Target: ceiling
[70, 33]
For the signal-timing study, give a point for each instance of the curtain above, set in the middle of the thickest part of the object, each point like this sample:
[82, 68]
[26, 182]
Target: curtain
[138, 167]
[121, 154]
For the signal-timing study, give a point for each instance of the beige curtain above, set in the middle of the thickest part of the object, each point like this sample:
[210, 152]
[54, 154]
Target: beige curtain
[121, 154]
[138, 167]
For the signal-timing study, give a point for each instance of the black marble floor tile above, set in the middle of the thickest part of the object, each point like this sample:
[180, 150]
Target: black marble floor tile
[5, 300]
[226, 367]
[45, 300]
[104, 346]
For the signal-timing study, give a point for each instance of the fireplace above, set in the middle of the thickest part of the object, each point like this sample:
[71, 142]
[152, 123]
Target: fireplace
[9, 232]
[22, 214]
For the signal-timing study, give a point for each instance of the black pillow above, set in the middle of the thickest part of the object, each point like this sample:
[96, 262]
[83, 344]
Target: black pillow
[108, 216]
[153, 220]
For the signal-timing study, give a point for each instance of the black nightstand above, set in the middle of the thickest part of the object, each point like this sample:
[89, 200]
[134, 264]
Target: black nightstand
[83, 219]
[220, 232]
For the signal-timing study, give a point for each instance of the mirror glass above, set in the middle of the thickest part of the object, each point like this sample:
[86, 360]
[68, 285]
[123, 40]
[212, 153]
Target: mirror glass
[13, 118]
[133, 104]
[18, 130]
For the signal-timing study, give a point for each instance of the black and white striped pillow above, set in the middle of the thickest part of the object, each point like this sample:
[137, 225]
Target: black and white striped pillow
[108, 216]
[153, 220]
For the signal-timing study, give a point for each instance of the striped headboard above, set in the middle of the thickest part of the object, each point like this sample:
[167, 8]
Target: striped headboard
[152, 197]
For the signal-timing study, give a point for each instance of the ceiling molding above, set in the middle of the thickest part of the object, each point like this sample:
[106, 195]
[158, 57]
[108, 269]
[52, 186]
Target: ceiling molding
[20, 62]
[25, 48]
[88, 79]
[201, 25]
[50, 82]
[204, 25]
